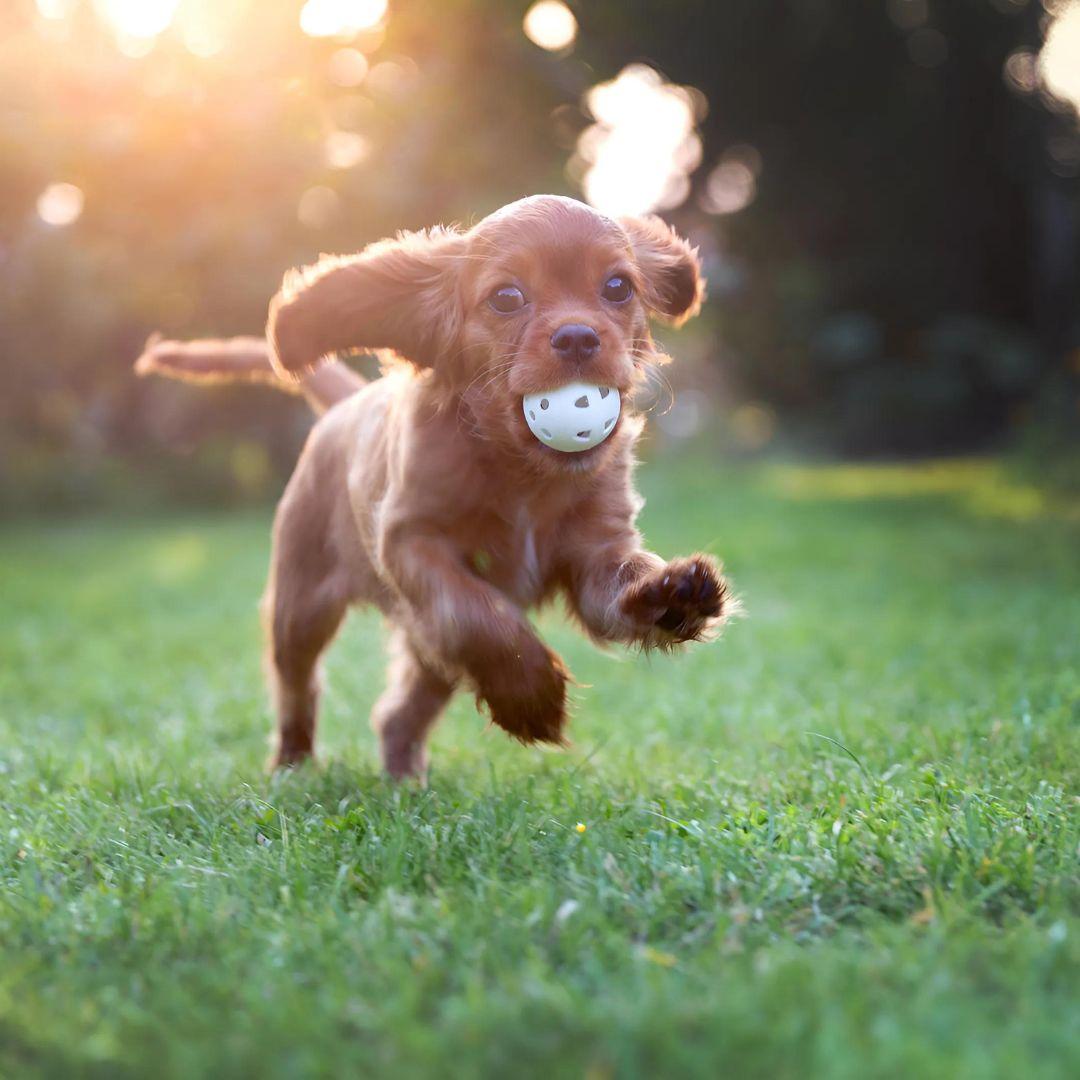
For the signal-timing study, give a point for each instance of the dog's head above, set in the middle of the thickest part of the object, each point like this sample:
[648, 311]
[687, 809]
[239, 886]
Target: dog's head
[543, 292]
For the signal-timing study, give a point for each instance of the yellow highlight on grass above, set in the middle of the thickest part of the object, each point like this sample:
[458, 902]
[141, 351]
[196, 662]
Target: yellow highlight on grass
[984, 488]
[178, 559]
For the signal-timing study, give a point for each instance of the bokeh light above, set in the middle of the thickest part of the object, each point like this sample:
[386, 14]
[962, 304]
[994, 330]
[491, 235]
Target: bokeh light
[352, 112]
[392, 78]
[1021, 71]
[340, 18]
[345, 149]
[730, 187]
[205, 26]
[55, 9]
[143, 19]
[551, 25]
[1063, 151]
[60, 204]
[732, 184]
[412, 113]
[348, 67]
[318, 207]
[639, 154]
[1059, 61]
[753, 425]
[203, 40]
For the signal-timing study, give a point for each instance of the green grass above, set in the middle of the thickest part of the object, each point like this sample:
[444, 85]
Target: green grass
[841, 842]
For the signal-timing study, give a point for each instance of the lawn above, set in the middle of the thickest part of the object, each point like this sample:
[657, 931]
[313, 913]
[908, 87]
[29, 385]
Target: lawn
[843, 841]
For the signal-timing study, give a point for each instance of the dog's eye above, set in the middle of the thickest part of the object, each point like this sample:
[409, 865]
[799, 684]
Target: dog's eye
[507, 299]
[617, 289]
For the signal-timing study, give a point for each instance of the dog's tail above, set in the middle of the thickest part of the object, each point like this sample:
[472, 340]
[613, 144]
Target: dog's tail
[245, 359]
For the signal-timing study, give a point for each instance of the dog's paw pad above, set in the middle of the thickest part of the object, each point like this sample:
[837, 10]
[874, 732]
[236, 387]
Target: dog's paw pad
[683, 598]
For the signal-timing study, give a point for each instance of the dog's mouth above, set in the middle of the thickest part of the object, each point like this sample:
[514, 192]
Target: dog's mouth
[567, 421]
[578, 461]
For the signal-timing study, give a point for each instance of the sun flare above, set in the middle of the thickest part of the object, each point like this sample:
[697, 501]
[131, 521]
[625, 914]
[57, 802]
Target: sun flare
[340, 18]
[55, 9]
[1059, 61]
[640, 152]
[137, 18]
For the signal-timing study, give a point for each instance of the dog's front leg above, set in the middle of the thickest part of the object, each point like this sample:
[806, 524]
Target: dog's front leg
[622, 593]
[465, 624]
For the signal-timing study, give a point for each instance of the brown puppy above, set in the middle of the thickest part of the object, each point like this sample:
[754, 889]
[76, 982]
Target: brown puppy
[425, 493]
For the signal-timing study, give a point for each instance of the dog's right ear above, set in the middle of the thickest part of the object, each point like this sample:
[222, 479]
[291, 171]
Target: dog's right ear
[398, 294]
[674, 287]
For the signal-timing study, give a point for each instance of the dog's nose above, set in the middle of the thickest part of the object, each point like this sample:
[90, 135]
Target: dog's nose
[575, 341]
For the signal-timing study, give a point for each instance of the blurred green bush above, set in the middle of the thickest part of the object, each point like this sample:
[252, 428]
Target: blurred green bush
[901, 276]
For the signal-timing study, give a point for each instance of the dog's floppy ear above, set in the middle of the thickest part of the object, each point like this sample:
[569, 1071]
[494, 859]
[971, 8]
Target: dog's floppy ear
[397, 294]
[670, 267]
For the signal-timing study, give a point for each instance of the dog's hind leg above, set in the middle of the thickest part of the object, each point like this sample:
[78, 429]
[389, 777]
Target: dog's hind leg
[298, 637]
[304, 605]
[299, 629]
[406, 712]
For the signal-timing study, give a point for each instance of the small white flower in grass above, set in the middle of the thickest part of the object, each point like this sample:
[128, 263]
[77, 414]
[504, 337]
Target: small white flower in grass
[566, 909]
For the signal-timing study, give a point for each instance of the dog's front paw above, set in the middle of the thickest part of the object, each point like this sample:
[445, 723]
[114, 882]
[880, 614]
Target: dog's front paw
[526, 694]
[679, 602]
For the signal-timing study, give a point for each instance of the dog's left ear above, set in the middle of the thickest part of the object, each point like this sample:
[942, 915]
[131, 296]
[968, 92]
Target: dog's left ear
[670, 267]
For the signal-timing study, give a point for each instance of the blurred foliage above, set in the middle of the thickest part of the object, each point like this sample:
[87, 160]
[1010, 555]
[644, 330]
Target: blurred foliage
[904, 280]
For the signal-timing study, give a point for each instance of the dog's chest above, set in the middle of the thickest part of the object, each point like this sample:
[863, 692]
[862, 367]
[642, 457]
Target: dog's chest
[511, 554]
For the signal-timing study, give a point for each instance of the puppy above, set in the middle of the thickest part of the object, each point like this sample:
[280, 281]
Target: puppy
[424, 492]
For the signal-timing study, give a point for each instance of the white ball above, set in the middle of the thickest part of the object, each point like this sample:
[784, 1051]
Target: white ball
[575, 417]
